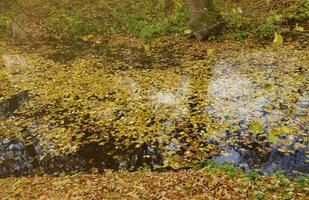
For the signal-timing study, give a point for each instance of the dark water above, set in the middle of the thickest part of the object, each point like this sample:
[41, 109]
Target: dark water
[18, 158]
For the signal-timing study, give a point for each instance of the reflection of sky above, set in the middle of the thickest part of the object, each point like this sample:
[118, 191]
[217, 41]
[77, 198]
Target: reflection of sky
[13, 61]
[231, 96]
[18, 65]
[235, 95]
[174, 97]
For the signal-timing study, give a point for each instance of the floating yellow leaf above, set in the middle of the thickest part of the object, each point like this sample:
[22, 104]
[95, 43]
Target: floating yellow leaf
[286, 130]
[210, 52]
[272, 138]
[256, 127]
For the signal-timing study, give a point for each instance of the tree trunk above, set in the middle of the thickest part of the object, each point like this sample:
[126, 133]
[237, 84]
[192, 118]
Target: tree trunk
[204, 18]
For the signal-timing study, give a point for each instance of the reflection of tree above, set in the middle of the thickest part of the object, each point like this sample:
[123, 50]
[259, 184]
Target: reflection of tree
[13, 79]
[204, 18]
[25, 19]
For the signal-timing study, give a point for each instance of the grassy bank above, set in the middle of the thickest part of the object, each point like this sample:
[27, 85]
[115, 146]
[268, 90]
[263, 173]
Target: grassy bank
[145, 19]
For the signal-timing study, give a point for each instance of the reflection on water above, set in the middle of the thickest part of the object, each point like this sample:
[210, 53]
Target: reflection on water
[233, 95]
[57, 117]
[14, 61]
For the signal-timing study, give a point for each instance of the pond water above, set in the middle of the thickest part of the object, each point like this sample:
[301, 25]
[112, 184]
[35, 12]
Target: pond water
[165, 107]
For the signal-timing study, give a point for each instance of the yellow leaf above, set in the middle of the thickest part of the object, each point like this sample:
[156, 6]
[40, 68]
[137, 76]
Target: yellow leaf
[210, 52]
[286, 130]
[239, 10]
[87, 38]
[278, 40]
[234, 11]
[188, 32]
[275, 131]
[147, 48]
[256, 127]
[272, 138]
[299, 28]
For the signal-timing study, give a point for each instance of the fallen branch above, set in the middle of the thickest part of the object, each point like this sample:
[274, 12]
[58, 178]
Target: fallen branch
[205, 32]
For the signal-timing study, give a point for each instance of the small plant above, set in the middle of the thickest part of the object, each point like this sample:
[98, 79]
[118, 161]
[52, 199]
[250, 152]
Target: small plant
[259, 195]
[204, 163]
[230, 169]
[302, 180]
[253, 175]
[239, 23]
[266, 30]
[240, 36]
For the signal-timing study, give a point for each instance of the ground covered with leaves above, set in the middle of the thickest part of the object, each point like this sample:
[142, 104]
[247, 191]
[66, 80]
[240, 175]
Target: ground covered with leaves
[208, 183]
